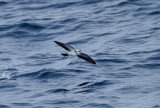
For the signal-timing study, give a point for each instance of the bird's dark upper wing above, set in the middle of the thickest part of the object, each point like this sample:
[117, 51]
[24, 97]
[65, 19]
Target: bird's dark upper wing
[86, 57]
[65, 46]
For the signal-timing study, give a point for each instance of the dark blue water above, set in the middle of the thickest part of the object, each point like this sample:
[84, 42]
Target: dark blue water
[123, 36]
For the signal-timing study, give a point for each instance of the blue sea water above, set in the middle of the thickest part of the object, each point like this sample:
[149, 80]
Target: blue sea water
[123, 36]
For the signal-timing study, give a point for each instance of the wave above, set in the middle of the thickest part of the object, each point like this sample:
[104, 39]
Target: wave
[58, 91]
[5, 59]
[155, 57]
[45, 74]
[123, 4]
[154, 13]
[7, 86]
[100, 84]
[6, 28]
[128, 89]
[89, 90]
[4, 106]
[42, 56]
[50, 6]
[2, 3]
[139, 40]
[90, 2]
[22, 26]
[148, 65]
[156, 106]
[69, 102]
[122, 35]
[101, 105]
[81, 41]
[144, 52]
[21, 104]
[121, 75]
[112, 60]
[84, 83]
[21, 30]
[30, 26]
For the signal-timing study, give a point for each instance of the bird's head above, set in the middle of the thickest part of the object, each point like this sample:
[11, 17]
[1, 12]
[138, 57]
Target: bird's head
[78, 51]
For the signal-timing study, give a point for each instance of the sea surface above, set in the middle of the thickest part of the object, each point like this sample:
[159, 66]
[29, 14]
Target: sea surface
[122, 36]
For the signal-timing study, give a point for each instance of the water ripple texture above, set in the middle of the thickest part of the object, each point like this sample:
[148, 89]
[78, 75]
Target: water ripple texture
[122, 36]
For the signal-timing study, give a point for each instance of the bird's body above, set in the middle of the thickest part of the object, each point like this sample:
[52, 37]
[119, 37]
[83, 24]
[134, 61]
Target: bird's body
[72, 51]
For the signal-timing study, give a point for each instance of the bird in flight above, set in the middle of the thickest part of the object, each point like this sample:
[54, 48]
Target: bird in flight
[72, 51]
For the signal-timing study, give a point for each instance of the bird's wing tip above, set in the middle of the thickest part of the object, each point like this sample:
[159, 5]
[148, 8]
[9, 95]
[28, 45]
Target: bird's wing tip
[56, 42]
[93, 62]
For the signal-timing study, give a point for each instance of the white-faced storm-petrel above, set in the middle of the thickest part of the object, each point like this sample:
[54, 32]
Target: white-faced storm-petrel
[72, 51]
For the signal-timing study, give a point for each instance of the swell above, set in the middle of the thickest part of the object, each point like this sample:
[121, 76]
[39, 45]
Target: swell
[87, 23]
[22, 25]
[21, 30]
[61, 90]
[62, 5]
[144, 52]
[154, 13]
[21, 104]
[41, 56]
[90, 2]
[112, 60]
[155, 58]
[100, 84]
[4, 106]
[132, 2]
[81, 41]
[50, 6]
[128, 89]
[136, 40]
[45, 74]
[2, 3]
[91, 105]
[88, 87]
[30, 26]
[51, 73]
[147, 65]
[121, 75]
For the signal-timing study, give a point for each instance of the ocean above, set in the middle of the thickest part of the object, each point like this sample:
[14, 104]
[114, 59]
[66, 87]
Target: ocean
[122, 36]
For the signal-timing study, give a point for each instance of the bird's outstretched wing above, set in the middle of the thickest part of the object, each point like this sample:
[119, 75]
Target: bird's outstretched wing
[86, 57]
[65, 46]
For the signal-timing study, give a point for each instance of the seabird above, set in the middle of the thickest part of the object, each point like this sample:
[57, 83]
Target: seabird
[72, 51]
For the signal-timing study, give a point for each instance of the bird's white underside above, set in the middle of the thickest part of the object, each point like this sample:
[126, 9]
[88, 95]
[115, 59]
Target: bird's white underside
[74, 52]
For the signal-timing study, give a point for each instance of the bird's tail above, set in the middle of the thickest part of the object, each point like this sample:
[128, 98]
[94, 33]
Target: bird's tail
[64, 54]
